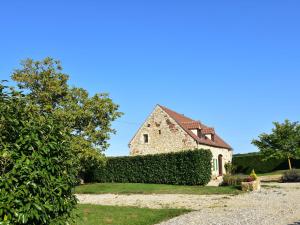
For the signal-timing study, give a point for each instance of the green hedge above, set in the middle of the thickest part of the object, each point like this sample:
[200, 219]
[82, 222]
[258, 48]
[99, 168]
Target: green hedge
[191, 167]
[246, 162]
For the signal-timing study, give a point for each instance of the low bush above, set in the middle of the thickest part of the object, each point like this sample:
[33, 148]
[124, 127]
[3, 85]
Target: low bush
[249, 179]
[291, 176]
[191, 167]
[253, 175]
[235, 180]
[230, 168]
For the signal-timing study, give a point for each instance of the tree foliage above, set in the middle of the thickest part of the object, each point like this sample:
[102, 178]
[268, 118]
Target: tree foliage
[38, 167]
[282, 143]
[88, 118]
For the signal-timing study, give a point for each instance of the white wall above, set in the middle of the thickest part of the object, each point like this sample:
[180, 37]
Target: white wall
[227, 157]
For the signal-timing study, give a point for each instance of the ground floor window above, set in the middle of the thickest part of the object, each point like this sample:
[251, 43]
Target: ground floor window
[215, 165]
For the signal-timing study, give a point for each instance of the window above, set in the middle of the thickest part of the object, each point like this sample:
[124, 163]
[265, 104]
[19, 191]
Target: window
[146, 139]
[199, 133]
[148, 125]
[159, 131]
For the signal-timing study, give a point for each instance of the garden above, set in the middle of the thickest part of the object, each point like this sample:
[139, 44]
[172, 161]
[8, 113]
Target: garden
[53, 138]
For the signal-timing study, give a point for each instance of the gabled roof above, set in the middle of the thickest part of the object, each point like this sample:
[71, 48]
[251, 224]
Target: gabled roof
[188, 124]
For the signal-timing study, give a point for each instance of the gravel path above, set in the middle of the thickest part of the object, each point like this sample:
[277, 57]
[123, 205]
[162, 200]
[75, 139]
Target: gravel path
[270, 206]
[278, 204]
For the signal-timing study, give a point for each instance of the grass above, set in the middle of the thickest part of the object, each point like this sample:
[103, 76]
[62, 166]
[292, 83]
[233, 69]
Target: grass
[277, 172]
[114, 215]
[132, 188]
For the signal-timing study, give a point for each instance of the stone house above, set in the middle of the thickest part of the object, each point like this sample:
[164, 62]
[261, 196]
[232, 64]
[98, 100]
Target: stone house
[168, 131]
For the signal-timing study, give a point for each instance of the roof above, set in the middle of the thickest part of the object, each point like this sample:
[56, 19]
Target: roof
[192, 125]
[188, 124]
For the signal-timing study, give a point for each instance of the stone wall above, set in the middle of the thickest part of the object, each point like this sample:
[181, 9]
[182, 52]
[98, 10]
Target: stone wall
[164, 135]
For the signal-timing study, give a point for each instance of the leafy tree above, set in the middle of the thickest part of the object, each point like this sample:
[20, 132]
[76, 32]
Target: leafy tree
[282, 143]
[38, 167]
[88, 118]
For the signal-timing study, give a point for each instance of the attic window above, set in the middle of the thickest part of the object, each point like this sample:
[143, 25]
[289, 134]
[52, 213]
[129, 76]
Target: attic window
[148, 125]
[199, 134]
[146, 139]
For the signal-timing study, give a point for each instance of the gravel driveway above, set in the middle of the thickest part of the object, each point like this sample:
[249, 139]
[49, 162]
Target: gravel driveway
[272, 206]
[277, 204]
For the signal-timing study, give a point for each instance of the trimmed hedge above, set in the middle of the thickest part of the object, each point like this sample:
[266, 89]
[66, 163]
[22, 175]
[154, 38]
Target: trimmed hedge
[191, 167]
[246, 162]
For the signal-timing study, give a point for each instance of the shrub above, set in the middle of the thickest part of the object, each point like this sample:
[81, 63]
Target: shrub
[249, 179]
[230, 168]
[253, 175]
[291, 176]
[188, 168]
[239, 178]
[245, 163]
[89, 161]
[234, 180]
[40, 170]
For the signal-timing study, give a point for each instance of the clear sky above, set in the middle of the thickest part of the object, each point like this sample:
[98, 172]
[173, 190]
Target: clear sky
[234, 65]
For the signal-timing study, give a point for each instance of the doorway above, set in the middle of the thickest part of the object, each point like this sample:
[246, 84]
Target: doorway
[220, 162]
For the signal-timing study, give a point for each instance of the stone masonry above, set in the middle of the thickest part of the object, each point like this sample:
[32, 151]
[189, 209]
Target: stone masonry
[170, 138]
[165, 134]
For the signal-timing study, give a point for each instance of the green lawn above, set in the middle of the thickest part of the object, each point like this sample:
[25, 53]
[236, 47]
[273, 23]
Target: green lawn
[131, 188]
[114, 215]
[277, 172]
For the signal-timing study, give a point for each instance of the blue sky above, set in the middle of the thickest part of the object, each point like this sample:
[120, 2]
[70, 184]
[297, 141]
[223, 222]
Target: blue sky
[234, 65]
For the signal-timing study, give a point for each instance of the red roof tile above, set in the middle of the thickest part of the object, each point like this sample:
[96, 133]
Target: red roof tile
[208, 130]
[192, 125]
[187, 124]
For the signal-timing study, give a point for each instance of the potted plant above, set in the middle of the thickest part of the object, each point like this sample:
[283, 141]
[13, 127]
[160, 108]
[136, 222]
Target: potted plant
[251, 183]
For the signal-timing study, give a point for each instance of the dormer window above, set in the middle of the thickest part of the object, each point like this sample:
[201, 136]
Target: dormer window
[195, 131]
[210, 136]
[146, 138]
[199, 134]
